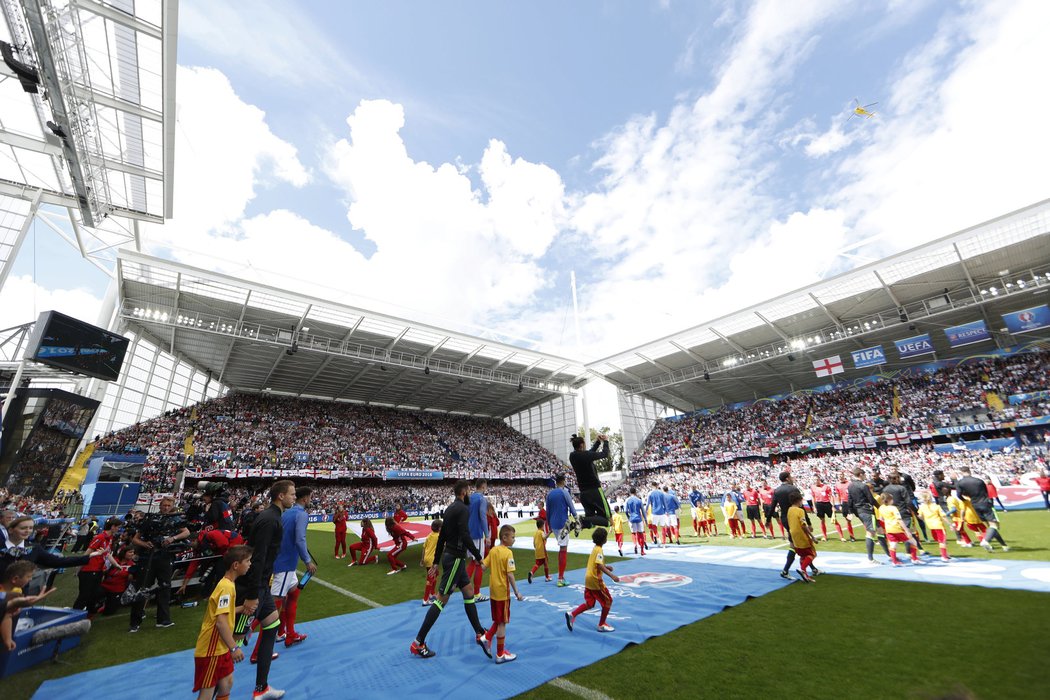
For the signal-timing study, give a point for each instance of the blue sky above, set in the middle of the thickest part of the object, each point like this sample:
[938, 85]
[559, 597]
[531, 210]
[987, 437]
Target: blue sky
[685, 159]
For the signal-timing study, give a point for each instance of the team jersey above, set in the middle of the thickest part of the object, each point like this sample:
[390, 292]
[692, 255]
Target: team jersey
[842, 490]
[340, 521]
[634, 509]
[891, 519]
[221, 602]
[671, 503]
[796, 525]
[593, 579]
[821, 494]
[969, 514]
[657, 504]
[619, 523]
[539, 543]
[751, 497]
[933, 516]
[695, 497]
[766, 495]
[429, 547]
[500, 561]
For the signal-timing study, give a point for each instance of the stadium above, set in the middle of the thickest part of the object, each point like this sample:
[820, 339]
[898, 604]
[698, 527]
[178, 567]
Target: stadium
[195, 391]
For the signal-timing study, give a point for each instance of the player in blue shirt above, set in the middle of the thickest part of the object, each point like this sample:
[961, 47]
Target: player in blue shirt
[479, 532]
[695, 499]
[559, 509]
[658, 504]
[672, 504]
[635, 510]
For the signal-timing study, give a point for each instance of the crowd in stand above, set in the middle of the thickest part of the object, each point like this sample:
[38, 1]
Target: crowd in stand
[919, 462]
[924, 402]
[243, 431]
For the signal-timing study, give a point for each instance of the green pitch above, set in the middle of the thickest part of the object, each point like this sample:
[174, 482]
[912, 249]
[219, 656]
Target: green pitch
[841, 637]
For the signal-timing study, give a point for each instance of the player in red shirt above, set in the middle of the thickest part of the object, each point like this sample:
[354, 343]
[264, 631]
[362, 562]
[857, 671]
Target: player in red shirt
[121, 571]
[400, 515]
[401, 536]
[752, 498]
[840, 496]
[339, 520]
[493, 526]
[821, 493]
[215, 542]
[766, 495]
[368, 546]
[993, 493]
[1043, 482]
[90, 594]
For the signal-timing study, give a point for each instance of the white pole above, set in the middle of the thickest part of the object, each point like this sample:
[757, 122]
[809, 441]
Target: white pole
[579, 351]
[11, 393]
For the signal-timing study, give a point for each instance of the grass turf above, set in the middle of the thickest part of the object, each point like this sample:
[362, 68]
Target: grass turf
[856, 633]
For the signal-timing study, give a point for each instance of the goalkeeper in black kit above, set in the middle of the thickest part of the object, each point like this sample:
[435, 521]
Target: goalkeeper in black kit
[595, 505]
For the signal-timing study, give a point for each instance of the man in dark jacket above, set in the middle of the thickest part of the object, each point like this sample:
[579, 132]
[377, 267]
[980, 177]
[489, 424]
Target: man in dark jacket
[453, 545]
[863, 504]
[253, 589]
[973, 489]
[595, 504]
[782, 496]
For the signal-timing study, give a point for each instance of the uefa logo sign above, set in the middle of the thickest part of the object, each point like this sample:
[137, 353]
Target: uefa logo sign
[658, 580]
[1026, 316]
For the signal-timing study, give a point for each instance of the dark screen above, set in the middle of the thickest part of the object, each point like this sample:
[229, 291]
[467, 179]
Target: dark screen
[69, 344]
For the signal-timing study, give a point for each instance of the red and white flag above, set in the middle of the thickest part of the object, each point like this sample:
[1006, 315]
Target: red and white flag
[828, 366]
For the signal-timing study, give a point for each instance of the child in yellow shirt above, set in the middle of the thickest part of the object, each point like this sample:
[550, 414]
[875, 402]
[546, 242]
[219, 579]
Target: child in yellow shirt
[936, 521]
[539, 543]
[802, 540]
[427, 561]
[216, 650]
[895, 531]
[594, 588]
[619, 524]
[500, 560]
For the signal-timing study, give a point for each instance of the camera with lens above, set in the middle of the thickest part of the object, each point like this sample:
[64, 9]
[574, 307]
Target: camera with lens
[215, 489]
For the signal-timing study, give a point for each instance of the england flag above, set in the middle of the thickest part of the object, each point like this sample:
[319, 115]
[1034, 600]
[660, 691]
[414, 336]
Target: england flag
[828, 366]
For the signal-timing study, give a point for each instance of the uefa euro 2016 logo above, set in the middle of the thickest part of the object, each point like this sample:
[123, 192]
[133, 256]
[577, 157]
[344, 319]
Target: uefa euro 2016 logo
[1026, 316]
[649, 578]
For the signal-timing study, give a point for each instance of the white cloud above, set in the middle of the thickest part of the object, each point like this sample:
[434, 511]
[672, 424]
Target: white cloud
[23, 300]
[831, 141]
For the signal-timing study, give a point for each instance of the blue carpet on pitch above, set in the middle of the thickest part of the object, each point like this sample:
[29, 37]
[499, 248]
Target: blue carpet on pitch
[365, 654]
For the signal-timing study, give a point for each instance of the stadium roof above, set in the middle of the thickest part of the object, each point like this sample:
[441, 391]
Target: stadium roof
[996, 267]
[87, 124]
[255, 338]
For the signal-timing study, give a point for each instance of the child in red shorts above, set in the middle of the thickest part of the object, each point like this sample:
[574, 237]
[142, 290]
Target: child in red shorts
[216, 650]
[500, 561]
[594, 588]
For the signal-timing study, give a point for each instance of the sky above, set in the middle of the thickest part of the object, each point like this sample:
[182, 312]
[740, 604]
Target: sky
[454, 163]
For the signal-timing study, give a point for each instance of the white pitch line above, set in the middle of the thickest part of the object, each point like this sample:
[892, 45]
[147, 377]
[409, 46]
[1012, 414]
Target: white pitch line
[579, 690]
[348, 594]
[777, 546]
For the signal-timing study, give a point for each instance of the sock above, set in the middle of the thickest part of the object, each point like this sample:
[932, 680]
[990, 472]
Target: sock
[499, 645]
[869, 546]
[546, 571]
[913, 552]
[944, 551]
[838, 526]
[781, 526]
[965, 538]
[563, 557]
[753, 533]
[433, 612]
[605, 615]
[893, 555]
[790, 560]
[265, 648]
[535, 568]
[807, 561]
[223, 697]
[472, 615]
[492, 631]
[581, 608]
[882, 541]
[994, 532]
[849, 526]
[290, 610]
[824, 528]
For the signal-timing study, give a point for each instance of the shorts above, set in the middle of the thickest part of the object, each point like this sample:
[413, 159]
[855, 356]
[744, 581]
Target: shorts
[483, 546]
[283, 583]
[986, 513]
[753, 513]
[937, 535]
[500, 610]
[562, 537]
[767, 511]
[601, 596]
[805, 552]
[209, 670]
[638, 526]
[868, 521]
[453, 573]
[659, 520]
[897, 537]
[845, 510]
[595, 504]
[823, 509]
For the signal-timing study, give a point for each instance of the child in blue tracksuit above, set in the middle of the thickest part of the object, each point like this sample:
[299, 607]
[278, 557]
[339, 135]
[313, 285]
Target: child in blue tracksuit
[559, 509]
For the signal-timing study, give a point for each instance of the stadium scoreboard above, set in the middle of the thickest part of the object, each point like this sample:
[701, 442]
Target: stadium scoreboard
[65, 343]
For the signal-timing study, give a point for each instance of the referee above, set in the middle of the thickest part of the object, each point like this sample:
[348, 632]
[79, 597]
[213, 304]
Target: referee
[253, 589]
[595, 504]
[453, 543]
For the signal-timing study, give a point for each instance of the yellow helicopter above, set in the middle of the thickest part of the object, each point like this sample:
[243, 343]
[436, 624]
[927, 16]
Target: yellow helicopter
[860, 110]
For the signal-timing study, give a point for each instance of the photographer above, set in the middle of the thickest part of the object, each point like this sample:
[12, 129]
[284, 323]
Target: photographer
[157, 539]
[595, 505]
